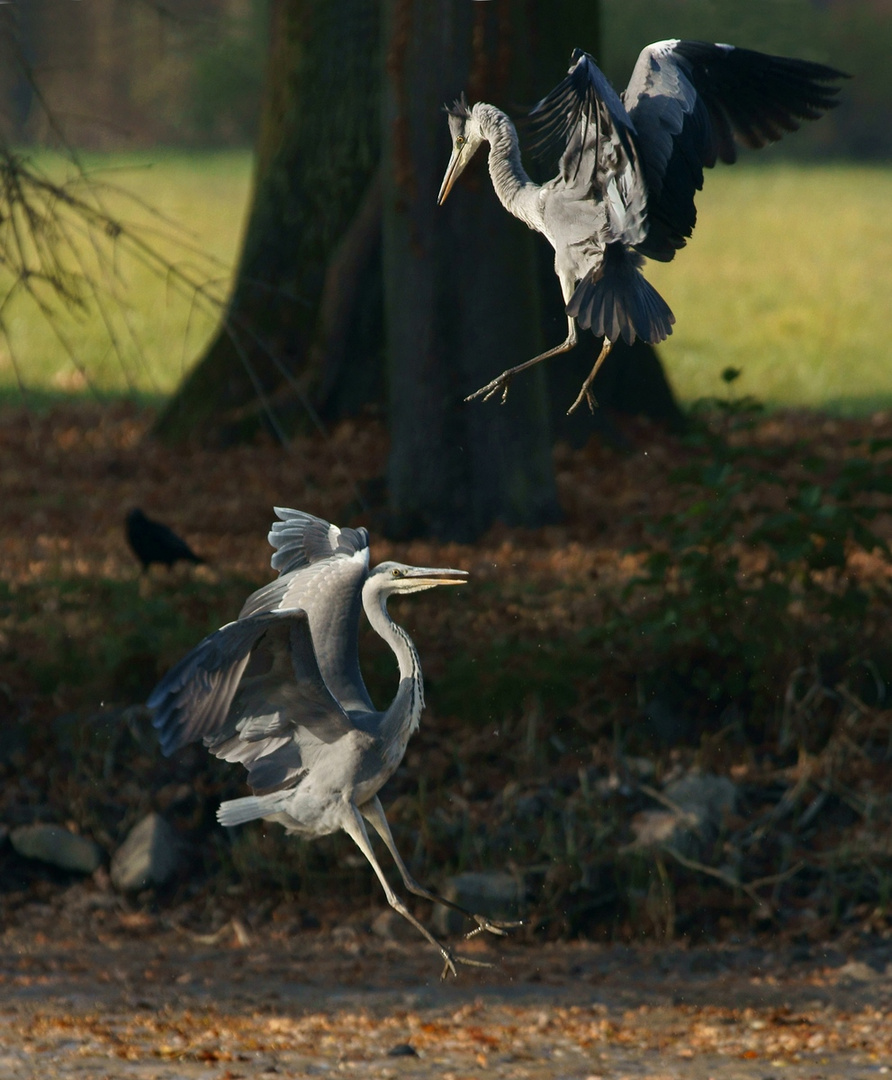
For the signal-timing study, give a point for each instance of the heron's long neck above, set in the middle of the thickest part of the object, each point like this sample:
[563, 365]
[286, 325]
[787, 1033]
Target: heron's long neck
[516, 191]
[411, 681]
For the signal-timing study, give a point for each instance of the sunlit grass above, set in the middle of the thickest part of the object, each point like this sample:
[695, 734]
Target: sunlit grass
[787, 277]
[150, 331]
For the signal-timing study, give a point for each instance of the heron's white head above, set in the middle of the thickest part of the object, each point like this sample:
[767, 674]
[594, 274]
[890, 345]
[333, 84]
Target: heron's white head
[394, 577]
[464, 127]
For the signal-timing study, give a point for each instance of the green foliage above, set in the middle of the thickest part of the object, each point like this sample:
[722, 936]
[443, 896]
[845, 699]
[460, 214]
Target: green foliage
[751, 578]
[506, 672]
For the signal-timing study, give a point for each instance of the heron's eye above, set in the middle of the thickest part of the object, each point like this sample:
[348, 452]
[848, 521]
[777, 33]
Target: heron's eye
[396, 573]
[460, 142]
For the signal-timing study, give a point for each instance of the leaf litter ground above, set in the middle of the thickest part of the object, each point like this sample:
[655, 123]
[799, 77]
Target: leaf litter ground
[222, 973]
[144, 1002]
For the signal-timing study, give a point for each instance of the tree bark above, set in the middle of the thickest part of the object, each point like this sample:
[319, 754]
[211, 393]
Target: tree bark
[318, 149]
[460, 285]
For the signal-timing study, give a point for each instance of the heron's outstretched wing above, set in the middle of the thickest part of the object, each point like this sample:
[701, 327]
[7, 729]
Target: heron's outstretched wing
[585, 122]
[692, 102]
[254, 693]
[322, 570]
[583, 99]
[300, 539]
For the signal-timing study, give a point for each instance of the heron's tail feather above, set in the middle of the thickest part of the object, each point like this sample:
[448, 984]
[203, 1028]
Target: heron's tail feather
[238, 811]
[620, 301]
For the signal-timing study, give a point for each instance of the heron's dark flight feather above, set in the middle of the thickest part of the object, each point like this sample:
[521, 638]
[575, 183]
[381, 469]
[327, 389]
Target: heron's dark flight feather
[558, 125]
[252, 681]
[618, 301]
[693, 103]
[585, 90]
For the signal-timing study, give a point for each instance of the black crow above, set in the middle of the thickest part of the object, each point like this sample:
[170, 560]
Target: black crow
[153, 542]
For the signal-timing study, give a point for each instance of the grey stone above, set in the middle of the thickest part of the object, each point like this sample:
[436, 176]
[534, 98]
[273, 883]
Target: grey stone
[708, 797]
[57, 846]
[149, 856]
[857, 971]
[402, 1050]
[391, 926]
[699, 803]
[496, 895]
[656, 828]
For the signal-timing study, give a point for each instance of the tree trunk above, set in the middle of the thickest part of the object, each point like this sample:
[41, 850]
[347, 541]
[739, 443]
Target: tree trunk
[318, 150]
[460, 285]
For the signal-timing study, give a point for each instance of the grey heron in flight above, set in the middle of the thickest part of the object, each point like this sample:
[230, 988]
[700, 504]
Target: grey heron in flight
[280, 691]
[630, 167]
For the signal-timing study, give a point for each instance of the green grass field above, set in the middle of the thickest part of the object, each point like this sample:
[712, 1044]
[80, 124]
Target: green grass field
[199, 202]
[788, 277]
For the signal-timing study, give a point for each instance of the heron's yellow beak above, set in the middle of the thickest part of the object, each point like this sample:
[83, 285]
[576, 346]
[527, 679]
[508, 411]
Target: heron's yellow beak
[437, 576]
[454, 169]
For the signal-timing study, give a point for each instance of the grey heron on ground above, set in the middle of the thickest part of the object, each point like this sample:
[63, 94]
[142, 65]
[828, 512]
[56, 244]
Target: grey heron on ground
[629, 169]
[280, 690]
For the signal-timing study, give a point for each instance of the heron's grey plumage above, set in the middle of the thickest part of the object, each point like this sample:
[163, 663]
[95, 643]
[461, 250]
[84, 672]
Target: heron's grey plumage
[629, 168]
[280, 691]
[321, 571]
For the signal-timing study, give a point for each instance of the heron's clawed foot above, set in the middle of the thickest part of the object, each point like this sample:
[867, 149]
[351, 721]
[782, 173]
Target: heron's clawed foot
[450, 960]
[486, 392]
[448, 963]
[487, 926]
[585, 394]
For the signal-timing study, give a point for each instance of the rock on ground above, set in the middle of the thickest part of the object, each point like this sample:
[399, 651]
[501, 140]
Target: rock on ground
[58, 846]
[495, 895]
[149, 856]
[699, 804]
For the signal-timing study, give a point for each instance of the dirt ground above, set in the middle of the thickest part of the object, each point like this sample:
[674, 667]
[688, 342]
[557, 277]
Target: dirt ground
[145, 1001]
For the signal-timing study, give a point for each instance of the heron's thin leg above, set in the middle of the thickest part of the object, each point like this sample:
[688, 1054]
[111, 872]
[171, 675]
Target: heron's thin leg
[373, 812]
[353, 825]
[585, 392]
[503, 381]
